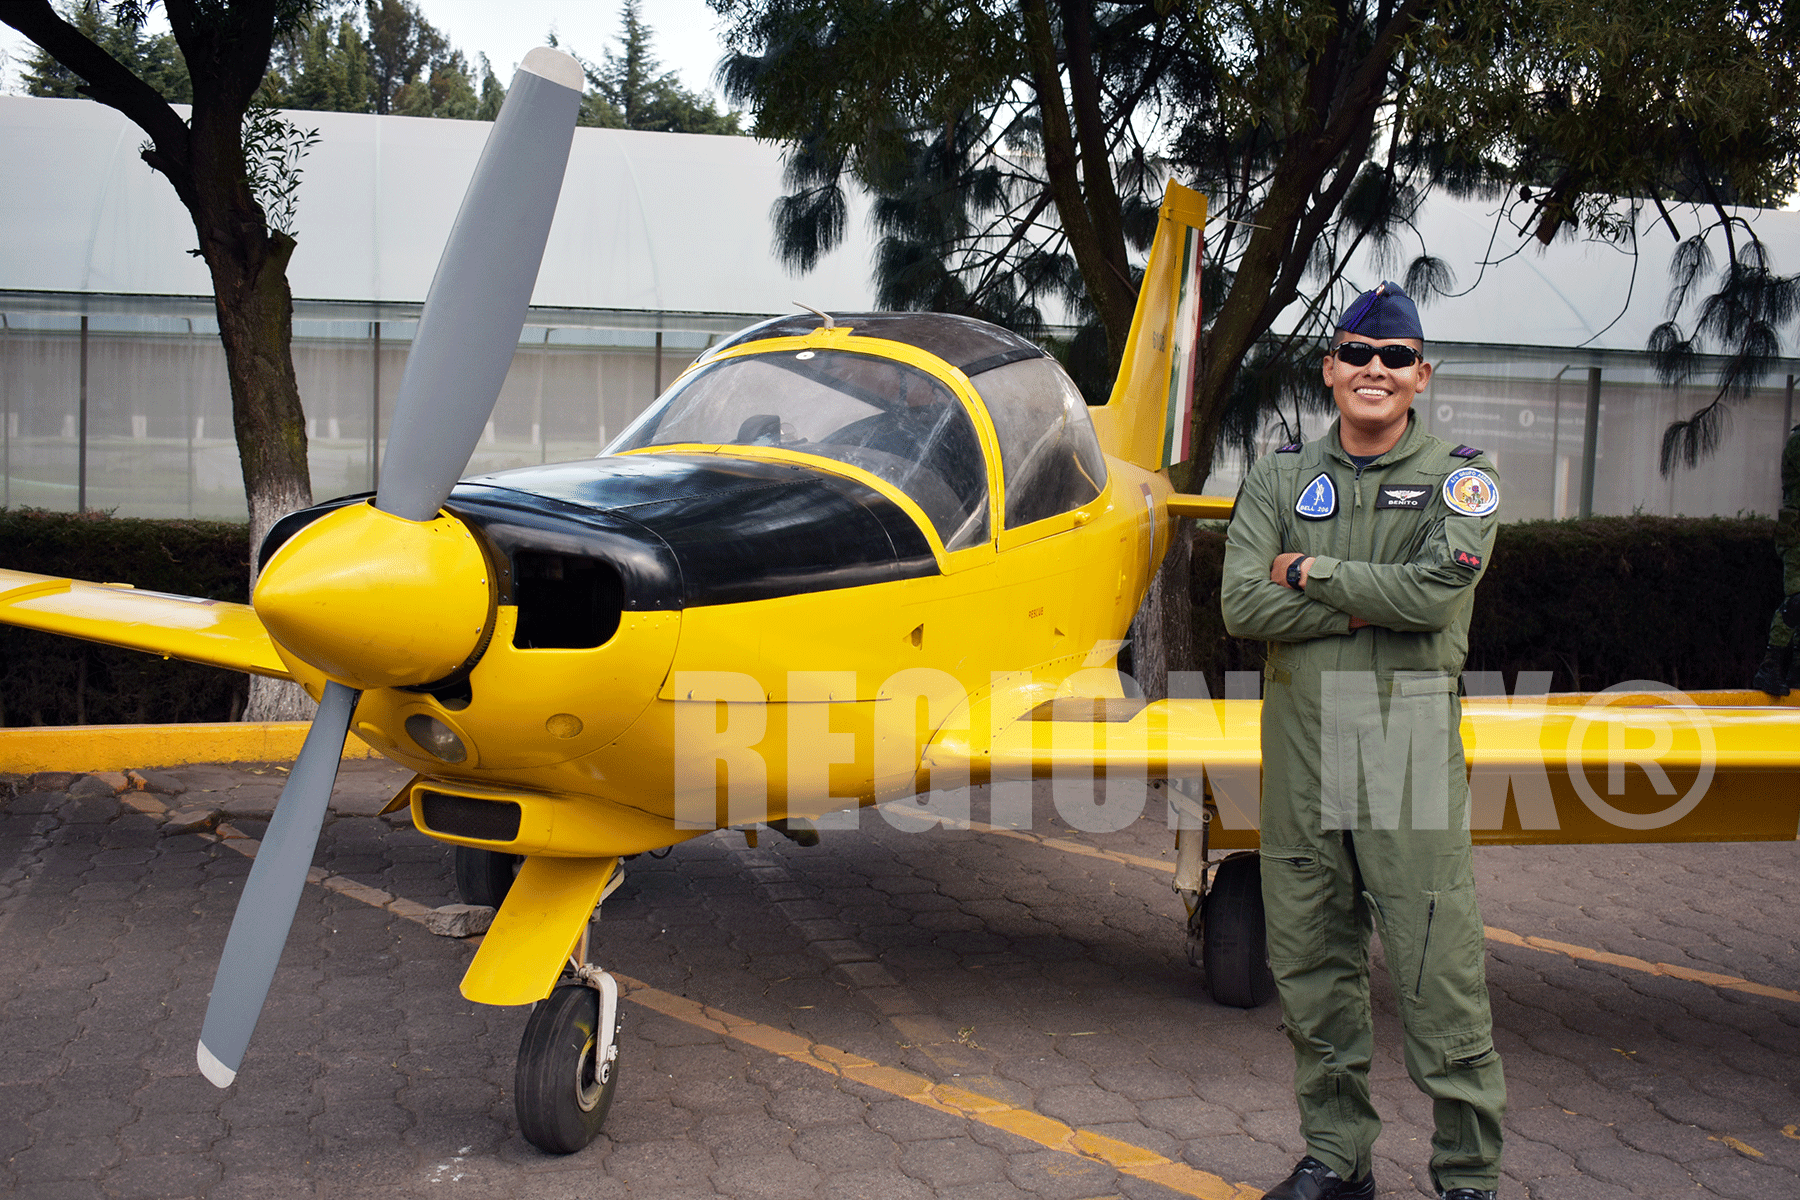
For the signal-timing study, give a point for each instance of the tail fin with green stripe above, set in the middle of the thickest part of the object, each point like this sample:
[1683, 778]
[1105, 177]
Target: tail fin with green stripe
[1148, 419]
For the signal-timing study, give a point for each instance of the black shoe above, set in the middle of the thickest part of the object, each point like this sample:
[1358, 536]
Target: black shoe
[1772, 675]
[1313, 1180]
[1466, 1194]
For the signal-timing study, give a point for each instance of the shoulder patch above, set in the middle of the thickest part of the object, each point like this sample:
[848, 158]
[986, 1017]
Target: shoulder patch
[1471, 492]
[1290, 448]
[1318, 499]
[1465, 452]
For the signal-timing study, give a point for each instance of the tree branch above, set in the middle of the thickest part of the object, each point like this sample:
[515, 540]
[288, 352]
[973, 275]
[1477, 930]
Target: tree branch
[111, 83]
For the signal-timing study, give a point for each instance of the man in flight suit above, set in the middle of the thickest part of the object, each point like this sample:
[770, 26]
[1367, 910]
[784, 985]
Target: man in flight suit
[1355, 557]
[1780, 670]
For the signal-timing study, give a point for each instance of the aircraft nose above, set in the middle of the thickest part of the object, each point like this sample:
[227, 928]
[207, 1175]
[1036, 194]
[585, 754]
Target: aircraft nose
[374, 600]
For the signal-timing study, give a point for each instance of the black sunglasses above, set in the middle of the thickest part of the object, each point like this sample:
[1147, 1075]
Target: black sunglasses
[1358, 354]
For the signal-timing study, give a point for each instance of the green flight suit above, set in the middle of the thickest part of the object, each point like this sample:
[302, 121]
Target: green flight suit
[1364, 789]
[1787, 538]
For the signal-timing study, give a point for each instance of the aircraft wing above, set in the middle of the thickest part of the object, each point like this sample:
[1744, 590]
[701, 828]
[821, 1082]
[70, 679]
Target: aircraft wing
[217, 633]
[1638, 767]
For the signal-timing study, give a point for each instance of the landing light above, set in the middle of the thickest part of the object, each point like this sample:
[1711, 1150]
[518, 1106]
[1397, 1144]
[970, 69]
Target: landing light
[436, 738]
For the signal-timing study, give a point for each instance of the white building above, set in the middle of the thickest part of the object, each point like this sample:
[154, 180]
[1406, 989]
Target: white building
[112, 381]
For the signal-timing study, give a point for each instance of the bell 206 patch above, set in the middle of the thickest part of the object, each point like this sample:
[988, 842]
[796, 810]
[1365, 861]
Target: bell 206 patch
[1400, 495]
[1471, 491]
[1318, 500]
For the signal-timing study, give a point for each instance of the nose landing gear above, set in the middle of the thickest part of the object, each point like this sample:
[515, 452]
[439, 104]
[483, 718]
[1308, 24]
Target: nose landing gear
[568, 1066]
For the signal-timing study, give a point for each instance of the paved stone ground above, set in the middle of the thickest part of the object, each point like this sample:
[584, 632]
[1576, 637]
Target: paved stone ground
[1050, 980]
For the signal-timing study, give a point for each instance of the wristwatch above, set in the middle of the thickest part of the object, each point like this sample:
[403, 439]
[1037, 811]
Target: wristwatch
[1293, 576]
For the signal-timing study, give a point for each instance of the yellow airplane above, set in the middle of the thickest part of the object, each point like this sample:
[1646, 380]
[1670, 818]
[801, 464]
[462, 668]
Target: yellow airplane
[843, 560]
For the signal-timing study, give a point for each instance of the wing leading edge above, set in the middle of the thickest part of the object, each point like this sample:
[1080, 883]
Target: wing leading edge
[216, 633]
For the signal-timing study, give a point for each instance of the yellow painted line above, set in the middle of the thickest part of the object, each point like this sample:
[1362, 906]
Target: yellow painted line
[1710, 978]
[1494, 934]
[1740, 1147]
[943, 1097]
[87, 748]
[343, 885]
[1069, 846]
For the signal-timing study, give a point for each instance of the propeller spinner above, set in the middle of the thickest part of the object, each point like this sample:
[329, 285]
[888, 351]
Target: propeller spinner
[391, 596]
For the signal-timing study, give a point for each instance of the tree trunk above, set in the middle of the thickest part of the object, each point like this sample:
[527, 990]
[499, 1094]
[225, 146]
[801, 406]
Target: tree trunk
[256, 325]
[1162, 633]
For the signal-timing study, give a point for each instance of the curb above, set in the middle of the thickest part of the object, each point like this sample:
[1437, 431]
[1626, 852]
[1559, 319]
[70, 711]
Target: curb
[88, 748]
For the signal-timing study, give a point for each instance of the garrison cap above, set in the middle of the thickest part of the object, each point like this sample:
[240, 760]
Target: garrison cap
[1385, 311]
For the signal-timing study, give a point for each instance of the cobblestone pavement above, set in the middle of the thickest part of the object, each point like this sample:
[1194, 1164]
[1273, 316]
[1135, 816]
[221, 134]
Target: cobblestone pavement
[1033, 998]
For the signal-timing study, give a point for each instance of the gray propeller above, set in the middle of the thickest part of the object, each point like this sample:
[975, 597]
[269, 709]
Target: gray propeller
[467, 334]
[476, 306]
[272, 892]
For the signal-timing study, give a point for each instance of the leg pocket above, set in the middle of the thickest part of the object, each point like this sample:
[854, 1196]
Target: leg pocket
[1297, 894]
[1435, 947]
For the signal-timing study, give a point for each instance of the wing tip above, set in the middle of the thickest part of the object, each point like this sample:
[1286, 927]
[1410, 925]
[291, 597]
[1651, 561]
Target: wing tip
[216, 1072]
[555, 66]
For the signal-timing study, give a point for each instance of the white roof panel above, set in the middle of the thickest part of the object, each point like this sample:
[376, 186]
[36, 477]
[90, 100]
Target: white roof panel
[651, 221]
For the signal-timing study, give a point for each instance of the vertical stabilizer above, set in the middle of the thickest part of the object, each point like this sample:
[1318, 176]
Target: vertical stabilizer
[1148, 419]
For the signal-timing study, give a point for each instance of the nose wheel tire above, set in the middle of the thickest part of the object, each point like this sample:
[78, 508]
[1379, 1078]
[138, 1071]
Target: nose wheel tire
[1235, 946]
[485, 876]
[567, 1070]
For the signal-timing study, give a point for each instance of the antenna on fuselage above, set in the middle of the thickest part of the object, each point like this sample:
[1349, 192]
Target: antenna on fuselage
[823, 316]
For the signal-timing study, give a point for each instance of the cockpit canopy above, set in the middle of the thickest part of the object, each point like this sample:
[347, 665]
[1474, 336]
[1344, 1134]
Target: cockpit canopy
[897, 421]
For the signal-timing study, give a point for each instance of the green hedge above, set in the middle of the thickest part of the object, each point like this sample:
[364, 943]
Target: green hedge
[1682, 601]
[50, 680]
[1676, 600]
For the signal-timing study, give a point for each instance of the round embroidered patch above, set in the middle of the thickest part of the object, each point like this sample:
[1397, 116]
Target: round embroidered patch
[1471, 491]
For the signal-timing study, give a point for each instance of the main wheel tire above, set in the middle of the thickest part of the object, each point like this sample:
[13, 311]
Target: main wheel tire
[564, 1081]
[1236, 947]
[485, 876]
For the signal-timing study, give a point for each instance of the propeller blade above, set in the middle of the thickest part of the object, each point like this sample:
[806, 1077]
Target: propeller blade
[266, 909]
[476, 305]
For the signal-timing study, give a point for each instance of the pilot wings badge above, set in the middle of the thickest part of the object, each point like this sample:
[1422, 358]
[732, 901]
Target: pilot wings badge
[1318, 499]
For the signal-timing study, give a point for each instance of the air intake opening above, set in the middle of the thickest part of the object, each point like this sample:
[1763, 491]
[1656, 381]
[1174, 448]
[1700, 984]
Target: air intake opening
[466, 816]
[565, 602]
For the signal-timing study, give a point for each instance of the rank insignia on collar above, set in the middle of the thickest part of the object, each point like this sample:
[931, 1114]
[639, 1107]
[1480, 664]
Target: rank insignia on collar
[1401, 495]
[1471, 492]
[1318, 499]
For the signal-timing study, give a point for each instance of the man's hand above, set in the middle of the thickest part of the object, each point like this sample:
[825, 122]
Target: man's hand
[1279, 568]
[1278, 571]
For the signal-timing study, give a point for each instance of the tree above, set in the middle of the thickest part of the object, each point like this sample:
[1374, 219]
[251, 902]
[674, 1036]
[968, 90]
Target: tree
[403, 46]
[629, 89]
[328, 69]
[404, 66]
[1042, 131]
[204, 158]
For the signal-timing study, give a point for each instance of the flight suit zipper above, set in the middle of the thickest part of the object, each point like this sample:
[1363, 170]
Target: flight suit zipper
[1424, 947]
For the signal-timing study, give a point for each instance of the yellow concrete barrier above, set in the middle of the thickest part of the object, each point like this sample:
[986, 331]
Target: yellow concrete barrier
[84, 748]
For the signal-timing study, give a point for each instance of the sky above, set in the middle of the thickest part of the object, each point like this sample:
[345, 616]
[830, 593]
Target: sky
[683, 34]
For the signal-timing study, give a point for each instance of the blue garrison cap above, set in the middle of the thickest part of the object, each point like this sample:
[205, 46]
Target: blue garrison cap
[1386, 311]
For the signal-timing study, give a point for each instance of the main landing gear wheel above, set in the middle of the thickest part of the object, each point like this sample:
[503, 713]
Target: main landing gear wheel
[1236, 948]
[568, 1066]
[485, 876]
